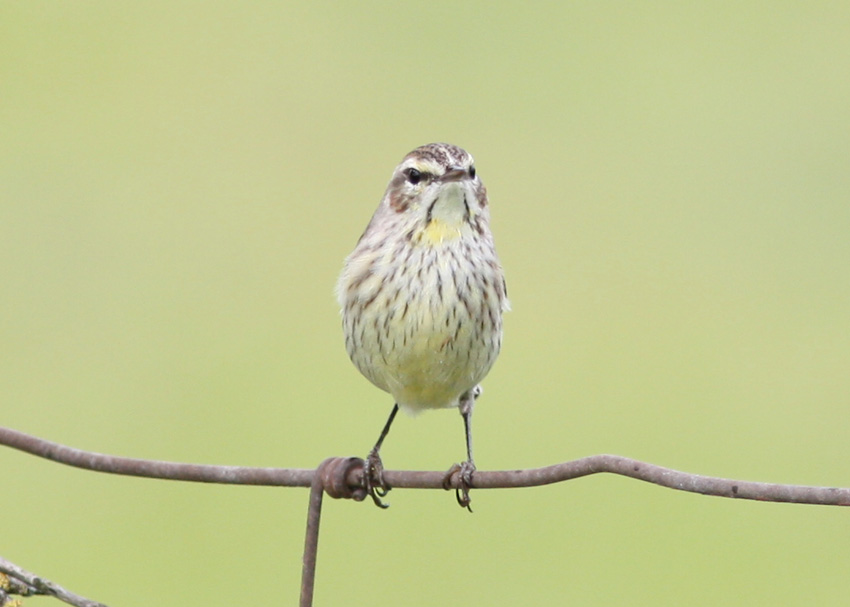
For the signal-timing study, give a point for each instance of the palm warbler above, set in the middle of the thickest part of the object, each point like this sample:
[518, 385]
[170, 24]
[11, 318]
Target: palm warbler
[422, 296]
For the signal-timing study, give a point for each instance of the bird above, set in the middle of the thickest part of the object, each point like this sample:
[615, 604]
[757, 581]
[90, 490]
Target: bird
[422, 297]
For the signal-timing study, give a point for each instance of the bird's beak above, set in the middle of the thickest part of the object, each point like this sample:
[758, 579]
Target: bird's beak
[454, 175]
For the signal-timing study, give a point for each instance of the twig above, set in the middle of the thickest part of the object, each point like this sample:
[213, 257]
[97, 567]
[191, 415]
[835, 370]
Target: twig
[410, 479]
[34, 585]
[343, 478]
[311, 539]
[332, 477]
[88, 460]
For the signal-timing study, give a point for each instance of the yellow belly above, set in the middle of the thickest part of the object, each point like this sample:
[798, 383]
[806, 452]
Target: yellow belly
[429, 331]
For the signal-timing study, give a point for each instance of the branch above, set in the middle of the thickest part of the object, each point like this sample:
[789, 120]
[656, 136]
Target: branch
[127, 466]
[343, 478]
[350, 482]
[24, 583]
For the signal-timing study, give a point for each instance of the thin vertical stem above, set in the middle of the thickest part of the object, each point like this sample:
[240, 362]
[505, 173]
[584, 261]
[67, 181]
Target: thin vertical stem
[311, 540]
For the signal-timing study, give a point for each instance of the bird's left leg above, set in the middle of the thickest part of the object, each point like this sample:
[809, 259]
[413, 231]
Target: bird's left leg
[467, 468]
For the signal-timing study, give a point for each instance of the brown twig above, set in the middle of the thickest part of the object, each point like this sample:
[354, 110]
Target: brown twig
[88, 460]
[411, 479]
[343, 478]
[29, 584]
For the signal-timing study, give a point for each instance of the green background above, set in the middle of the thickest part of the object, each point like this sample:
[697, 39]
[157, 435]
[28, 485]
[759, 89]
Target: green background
[670, 191]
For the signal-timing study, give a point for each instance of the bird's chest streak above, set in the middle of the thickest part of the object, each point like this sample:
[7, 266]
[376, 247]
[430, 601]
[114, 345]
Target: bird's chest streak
[436, 341]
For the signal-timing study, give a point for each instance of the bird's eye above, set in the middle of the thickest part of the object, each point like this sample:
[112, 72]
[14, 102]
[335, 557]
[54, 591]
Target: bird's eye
[414, 176]
[472, 171]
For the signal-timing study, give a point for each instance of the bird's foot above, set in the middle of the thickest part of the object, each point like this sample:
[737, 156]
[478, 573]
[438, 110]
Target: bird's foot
[464, 472]
[373, 479]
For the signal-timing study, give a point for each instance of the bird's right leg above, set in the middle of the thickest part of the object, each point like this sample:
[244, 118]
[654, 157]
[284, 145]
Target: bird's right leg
[373, 475]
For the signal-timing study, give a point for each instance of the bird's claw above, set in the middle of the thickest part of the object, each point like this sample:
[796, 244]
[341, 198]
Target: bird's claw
[373, 479]
[464, 472]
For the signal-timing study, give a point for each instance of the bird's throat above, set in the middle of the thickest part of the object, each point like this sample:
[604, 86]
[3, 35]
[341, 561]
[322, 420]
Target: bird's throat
[447, 215]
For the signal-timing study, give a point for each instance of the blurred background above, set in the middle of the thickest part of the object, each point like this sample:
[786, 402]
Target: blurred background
[180, 182]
